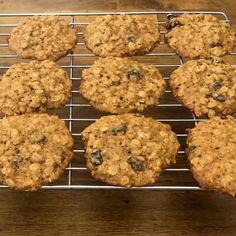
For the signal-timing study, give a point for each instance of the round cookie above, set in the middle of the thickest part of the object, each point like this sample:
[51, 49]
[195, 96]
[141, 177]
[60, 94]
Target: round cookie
[121, 35]
[211, 153]
[120, 85]
[42, 37]
[199, 36]
[206, 86]
[33, 87]
[129, 150]
[34, 150]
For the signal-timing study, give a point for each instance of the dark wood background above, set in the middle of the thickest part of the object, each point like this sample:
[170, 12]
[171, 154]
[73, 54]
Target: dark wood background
[117, 212]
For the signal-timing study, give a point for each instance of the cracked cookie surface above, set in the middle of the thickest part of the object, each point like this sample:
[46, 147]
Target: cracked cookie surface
[211, 153]
[42, 38]
[199, 36]
[206, 86]
[33, 87]
[120, 85]
[34, 150]
[129, 150]
[121, 35]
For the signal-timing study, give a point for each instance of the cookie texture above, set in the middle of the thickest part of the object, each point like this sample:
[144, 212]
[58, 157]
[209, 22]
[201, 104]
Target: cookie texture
[211, 153]
[33, 87]
[128, 150]
[120, 85]
[34, 150]
[206, 86]
[199, 36]
[122, 35]
[42, 37]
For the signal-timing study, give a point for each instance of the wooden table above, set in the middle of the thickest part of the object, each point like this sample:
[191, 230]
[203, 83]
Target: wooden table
[117, 212]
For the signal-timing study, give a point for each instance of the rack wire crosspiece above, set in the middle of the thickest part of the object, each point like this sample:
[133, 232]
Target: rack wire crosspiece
[78, 114]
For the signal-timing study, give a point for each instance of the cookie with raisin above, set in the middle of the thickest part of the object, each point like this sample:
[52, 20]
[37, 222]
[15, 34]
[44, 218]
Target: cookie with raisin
[34, 150]
[33, 87]
[122, 35]
[211, 153]
[199, 36]
[129, 150]
[42, 38]
[207, 87]
[120, 85]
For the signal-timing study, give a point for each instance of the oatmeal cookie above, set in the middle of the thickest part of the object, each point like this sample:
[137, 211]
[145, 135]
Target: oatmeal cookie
[211, 153]
[120, 85]
[206, 86]
[34, 150]
[122, 35]
[199, 36]
[42, 37]
[129, 150]
[33, 87]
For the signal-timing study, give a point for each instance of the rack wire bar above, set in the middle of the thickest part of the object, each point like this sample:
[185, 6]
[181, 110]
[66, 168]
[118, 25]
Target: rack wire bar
[111, 187]
[76, 112]
[71, 102]
[114, 13]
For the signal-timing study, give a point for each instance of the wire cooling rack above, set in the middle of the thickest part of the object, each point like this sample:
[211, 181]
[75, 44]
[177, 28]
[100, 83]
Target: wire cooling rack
[78, 114]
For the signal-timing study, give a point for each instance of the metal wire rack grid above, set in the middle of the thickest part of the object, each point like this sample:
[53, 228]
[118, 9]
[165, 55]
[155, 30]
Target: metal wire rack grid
[72, 65]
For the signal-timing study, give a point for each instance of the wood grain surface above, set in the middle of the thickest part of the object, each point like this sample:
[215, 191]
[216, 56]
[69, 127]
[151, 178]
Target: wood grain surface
[116, 212]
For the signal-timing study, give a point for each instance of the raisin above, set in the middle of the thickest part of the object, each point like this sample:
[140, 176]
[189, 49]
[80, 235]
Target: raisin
[96, 157]
[136, 165]
[216, 85]
[42, 140]
[136, 73]
[191, 149]
[218, 98]
[131, 39]
[214, 45]
[172, 24]
[55, 167]
[121, 129]
[17, 161]
[38, 139]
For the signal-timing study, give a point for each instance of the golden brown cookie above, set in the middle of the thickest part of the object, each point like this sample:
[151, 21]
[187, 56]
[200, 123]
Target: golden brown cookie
[121, 35]
[120, 85]
[33, 87]
[34, 150]
[129, 150]
[206, 86]
[42, 38]
[211, 153]
[199, 36]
